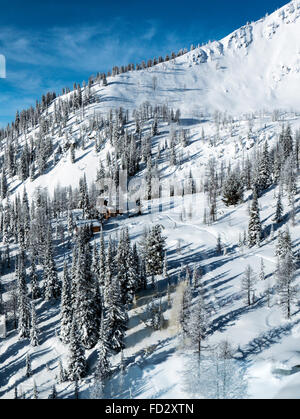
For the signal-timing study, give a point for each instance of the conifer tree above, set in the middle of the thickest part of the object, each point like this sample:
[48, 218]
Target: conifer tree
[279, 210]
[284, 244]
[103, 368]
[116, 318]
[254, 230]
[232, 190]
[35, 289]
[66, 307]
[77, 362]
[53, 394]
[155, 251]
[23, 302]
[219, 245]
[262, 275]
[86, 308]
[102, 263]
[198, 325]
[35, 393]
[263, 180]
[34, 331]
[52, 285]
[28, 366]
[185, 309]
[61, 376]
[286, 278]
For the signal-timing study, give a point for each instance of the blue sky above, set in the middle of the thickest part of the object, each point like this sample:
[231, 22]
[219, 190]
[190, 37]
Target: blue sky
[52, 44]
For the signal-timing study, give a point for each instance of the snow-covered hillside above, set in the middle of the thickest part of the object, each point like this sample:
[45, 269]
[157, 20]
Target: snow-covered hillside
[255, 67]
[239, 112]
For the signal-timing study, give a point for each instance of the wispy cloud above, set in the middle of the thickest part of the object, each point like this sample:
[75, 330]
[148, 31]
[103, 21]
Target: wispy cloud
[49, 59]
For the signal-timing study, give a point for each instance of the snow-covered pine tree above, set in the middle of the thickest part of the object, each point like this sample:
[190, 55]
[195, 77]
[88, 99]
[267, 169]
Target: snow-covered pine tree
[279, 209]
[102, 262]
[198, 325]
[86, 307]
[233, 190]
[95, 263]
[254, 230]
[35, 393]
[155, 251]
[77, 362]
[23, 302]
[28, 366]
[34, 331]
[263, 180]
[262, 275]
[61, 374]
[185, 308]
[116, 318]
[53, 394]
[103, 368]
[286, 287]
[70, 223]
[51, 283]
[35, 289]
[284, 244]
[286, 141]
[219, 245]
[127, 272]
[66, 307]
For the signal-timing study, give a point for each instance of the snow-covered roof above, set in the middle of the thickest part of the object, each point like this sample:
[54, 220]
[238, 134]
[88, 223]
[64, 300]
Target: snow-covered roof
[81, 223]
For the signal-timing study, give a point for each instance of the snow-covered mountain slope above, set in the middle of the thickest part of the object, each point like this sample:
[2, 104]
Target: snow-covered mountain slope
[255, 67]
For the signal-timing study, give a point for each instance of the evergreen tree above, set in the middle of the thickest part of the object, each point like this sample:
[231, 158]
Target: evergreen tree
[28, 366]
[127, 273]
[284, 244]
[66, 307]
[254, 230]
[263, 180]
[53, 394]
[35, 289]
[279, 210]
[62, 375]
[3, 185]
[86, 308]
[100, 271]
[286, 141]
[116, 318]
[219, 245]
[35, 393]
[262, 275]
[23, 302]
[154, 310]
[198, 325]
[185, 309]
[34, 331]
[52, 285]
[155, 251]
[77, 362]
[286, 288]
[103, 368]
[232, 190]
